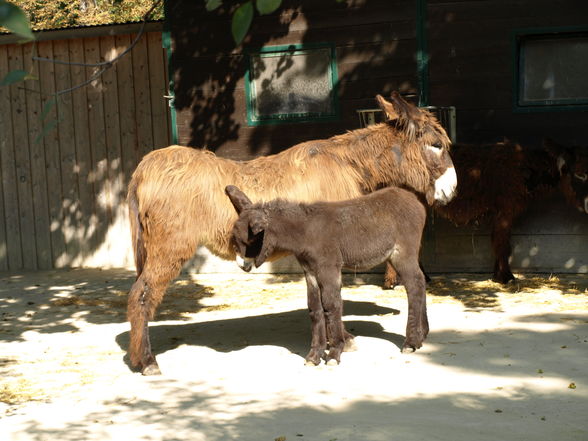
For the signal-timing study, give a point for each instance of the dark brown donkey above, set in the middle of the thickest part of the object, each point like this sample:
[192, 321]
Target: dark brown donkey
[496, 184]
[177, 202]
[325, 237]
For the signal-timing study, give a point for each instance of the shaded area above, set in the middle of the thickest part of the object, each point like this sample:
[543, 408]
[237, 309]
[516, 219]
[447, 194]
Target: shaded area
[290, 330]
[477, 291]
[94, 296]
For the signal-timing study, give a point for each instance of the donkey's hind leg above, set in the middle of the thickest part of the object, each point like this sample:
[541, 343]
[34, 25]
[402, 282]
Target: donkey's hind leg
[145, 295]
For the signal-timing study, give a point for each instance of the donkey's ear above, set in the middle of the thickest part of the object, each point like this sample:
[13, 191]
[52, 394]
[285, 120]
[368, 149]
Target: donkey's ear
[560, 153]
[406, 110]
[387, 108]
[239, 199]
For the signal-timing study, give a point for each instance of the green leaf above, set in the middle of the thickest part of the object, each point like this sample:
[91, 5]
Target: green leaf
[211, 5]
[15, 76]
[47, 107]
[242, 18]
[46, 129]
[268, 6]
[15, 20]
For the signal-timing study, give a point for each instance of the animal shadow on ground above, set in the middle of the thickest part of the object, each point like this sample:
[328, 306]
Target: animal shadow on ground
[290, 329]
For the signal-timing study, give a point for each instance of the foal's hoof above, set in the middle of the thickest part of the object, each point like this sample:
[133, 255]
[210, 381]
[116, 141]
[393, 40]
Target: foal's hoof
[350, 345]
[151, 369]
[332, 362]
[408, 349]
[310, 363]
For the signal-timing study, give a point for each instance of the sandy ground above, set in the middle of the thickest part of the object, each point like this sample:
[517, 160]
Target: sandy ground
[499, 364]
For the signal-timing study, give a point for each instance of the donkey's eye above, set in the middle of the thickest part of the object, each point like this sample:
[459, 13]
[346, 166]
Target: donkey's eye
[581, 176]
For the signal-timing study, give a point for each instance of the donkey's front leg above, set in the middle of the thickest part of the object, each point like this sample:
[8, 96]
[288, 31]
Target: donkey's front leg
[318, 343]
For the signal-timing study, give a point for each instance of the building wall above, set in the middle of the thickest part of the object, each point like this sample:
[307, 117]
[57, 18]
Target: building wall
[471, 64]
[64, 168]
[375, 46]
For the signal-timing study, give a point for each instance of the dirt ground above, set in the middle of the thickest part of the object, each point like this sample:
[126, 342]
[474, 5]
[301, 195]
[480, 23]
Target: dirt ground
[499, 363]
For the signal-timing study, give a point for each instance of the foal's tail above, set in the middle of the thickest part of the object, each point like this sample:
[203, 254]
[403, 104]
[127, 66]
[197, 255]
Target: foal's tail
[139, 250]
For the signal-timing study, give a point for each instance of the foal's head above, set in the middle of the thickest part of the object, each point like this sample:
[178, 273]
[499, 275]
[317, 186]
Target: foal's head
[248, 232]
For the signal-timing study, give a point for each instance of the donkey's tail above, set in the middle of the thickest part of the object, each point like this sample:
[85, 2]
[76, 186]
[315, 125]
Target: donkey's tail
[139, 250]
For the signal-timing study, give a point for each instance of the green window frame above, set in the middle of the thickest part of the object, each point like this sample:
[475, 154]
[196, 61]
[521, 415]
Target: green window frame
[277, 88]
[543, 59]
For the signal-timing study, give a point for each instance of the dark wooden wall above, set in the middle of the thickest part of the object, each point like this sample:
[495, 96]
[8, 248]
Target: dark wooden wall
[375, 47]
[472, 65]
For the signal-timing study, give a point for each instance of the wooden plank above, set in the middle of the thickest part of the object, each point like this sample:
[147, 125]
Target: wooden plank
[66, 132]
[98, 223]
[158, 85]
[126, 100]
[22, 164]
[142, 91]
[38, 166]
[109, 51]
[85, 207]
[52, 156]
[10, 251]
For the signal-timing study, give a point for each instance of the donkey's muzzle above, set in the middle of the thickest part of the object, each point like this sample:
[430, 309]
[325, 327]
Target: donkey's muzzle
[445, 186]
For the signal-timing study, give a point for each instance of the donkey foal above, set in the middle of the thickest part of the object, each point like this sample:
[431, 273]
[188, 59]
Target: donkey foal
[325, 237]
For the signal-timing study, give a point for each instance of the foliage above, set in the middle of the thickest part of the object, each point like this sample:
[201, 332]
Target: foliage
[55, 14]
[15, 20]
[243, 14]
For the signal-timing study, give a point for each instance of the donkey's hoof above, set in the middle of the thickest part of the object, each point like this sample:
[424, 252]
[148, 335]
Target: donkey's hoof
[310, 363]
[151, 369]
[332, 362]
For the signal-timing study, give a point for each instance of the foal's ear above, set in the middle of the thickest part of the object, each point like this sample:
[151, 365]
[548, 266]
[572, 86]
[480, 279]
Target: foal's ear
[239, 199]
[387, 108]
[258, 222]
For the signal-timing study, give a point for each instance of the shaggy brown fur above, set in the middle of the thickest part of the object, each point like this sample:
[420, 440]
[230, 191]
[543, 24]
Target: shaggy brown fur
[325, 237]
[177, 202]
[496, 183]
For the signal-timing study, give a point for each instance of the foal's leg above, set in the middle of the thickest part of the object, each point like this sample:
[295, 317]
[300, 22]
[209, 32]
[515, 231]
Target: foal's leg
[318, 343]
[417, 325]
[391, 278]
[329, 280]
[145, 295]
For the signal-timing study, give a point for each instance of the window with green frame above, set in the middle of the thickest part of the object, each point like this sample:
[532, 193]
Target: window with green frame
[551, 69]
[295, 83]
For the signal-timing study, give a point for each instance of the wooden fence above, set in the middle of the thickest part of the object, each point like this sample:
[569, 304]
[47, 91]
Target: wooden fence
[63, 189]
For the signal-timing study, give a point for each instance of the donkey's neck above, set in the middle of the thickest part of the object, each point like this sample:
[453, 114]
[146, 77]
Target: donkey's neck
[376, 153]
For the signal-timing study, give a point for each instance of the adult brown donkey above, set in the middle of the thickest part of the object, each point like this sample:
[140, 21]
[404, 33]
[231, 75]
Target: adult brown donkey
[177, 201]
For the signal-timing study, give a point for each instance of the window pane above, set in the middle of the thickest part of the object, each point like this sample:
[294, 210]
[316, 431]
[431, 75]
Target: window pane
[554, 69]
[291, 85]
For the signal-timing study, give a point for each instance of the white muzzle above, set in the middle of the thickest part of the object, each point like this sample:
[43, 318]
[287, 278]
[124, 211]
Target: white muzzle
[445, 186]
[244, 263]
